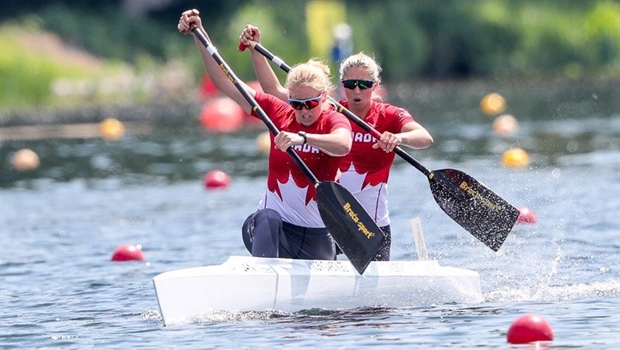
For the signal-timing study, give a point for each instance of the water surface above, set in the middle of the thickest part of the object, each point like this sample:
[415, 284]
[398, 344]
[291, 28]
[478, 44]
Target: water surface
[60, 224]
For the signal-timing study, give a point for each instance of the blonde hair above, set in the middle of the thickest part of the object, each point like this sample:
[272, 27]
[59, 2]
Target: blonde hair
[361, 60]
[314, 73]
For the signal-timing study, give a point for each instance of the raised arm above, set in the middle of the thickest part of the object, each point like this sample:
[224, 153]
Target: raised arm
[189, 20]
[266, 76]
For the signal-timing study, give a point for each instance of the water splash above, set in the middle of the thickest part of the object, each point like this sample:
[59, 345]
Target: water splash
[604, 289]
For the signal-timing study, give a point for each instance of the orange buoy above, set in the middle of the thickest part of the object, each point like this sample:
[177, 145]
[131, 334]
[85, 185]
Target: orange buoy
[111, 129]
[128, 252]
[492, 103]
[505, 125]
[25, 159]
[263, 142]
[216, 179]
[515, 158]
[526, 216]
[221, 114]
[528, 329]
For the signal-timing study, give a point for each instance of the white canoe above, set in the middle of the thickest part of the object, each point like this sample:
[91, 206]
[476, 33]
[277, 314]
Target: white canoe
[256, 284]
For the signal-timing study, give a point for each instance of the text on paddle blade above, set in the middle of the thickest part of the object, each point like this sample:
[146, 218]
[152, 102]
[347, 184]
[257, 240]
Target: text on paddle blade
[476, 195]
[360, 225]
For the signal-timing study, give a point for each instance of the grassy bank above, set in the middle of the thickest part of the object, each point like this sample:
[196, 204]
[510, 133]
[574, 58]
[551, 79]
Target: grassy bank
[38, 69]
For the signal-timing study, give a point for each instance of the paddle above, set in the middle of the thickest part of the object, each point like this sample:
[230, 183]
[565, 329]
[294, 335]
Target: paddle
[350, 225]
[468, 202]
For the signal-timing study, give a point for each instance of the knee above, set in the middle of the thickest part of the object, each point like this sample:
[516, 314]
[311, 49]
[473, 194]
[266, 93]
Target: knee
[268, 215]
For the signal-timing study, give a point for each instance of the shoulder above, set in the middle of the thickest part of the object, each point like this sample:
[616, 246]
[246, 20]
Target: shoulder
[332, 114]
[390, 108]
[338, 120]
[394, 111]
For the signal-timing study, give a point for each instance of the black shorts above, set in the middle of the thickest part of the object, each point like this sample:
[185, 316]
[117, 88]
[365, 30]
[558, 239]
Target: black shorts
[266, 235]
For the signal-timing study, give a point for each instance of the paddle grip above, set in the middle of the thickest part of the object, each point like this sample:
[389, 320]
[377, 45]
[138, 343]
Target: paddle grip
[243, 46]
[193, 13]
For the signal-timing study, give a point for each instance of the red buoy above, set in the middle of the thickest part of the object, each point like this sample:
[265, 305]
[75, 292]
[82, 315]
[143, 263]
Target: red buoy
[216, 179]
[526, 216]
[128, 252]
[221, 114]
[255, 84]
[528, 329]
[207, 88]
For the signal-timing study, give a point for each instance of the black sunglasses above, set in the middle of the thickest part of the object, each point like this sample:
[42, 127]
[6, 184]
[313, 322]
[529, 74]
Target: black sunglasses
[352, 83]
[309, 103]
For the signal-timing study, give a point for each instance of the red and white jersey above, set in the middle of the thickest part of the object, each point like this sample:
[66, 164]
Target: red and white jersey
[365, 171]
[289, 192]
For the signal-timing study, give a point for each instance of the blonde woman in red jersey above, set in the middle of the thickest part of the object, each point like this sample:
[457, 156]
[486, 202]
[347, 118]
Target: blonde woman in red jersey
[287, 223]
[365, 170]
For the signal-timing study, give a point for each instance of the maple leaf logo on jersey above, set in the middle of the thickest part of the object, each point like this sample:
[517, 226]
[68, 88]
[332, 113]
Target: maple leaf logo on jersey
[276, 185]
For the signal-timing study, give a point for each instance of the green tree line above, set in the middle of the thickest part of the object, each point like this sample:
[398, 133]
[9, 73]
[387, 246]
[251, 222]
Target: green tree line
[429, 39]
[432, 38]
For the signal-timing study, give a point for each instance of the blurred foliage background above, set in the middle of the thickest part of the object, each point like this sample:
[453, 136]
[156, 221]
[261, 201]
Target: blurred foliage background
[134, 52]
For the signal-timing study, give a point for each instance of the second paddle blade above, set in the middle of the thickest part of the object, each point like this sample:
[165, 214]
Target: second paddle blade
[352, 228]
[472, 205]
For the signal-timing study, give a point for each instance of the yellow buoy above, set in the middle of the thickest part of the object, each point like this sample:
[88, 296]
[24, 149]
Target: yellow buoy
[111, 129]
[515, 158]
[263, 142]
[492, 103]
[505, 125]
[25, 159]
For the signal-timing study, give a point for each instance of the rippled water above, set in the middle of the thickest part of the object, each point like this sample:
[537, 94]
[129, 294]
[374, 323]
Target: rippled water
[60, 224]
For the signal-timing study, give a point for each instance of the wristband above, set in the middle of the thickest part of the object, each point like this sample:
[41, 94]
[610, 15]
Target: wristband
[303, 134]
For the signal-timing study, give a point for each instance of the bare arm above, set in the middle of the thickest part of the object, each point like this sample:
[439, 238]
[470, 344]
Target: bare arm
[415, 136]
[337, 143]
[189, 19]
[412, 135]
[266, 76]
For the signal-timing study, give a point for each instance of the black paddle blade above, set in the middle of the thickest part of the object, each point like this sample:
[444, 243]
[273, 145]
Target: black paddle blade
[352, 228]
[472, 205]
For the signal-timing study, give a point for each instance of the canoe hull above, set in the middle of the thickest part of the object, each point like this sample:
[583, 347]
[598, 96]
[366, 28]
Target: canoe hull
[255, 284]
